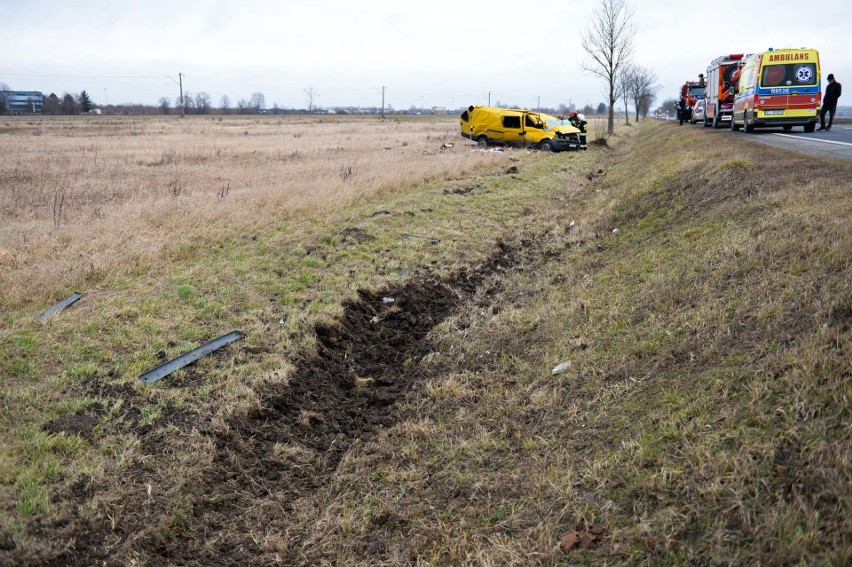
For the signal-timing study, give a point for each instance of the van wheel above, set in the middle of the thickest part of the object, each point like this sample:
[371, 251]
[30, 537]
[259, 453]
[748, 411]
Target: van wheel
[716, 122]
[746, 126]
[787, 128]
[545, 146]
[810, 127]
[734, 126]
[482, 142]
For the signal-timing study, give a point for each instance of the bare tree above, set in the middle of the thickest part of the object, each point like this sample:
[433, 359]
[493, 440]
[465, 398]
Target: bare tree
[310, 94]
[642, 89]
[225, 104]
[609, 43]
[257, 101]
[622, 87]
[243, 105]
[202, 102]
[188, 102]
[165, 105]
[645, 104]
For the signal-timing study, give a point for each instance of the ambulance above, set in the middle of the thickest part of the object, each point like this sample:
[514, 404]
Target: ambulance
[778, 88]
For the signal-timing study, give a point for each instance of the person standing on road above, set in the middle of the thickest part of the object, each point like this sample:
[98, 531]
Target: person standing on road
[681, 110]
[829, 102]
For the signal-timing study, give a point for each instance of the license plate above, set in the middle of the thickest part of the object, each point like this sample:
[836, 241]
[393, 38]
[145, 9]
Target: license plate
[773, 112]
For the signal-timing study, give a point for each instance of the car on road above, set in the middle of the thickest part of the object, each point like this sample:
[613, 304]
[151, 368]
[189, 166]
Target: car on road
[697, 112]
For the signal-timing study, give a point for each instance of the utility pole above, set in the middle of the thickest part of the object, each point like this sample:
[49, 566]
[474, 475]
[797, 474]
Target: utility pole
[383, 101]
[180, 78]
[538, 107]
[489, 98]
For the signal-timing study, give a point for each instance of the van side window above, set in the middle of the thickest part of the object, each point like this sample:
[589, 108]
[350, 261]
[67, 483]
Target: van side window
[512, 122]
[747, 79]
[464, 116]
[528, 121]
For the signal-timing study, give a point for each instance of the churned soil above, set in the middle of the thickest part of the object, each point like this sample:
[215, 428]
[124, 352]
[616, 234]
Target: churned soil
[263, 465]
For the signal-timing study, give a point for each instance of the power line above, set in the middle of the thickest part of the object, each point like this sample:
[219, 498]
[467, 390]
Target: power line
[82, 76]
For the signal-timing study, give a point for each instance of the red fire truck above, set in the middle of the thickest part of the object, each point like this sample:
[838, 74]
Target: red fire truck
[723, 74]
[692, 91]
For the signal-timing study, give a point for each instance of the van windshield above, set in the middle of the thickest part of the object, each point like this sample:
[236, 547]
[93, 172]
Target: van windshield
[551, 121]
[788, 75]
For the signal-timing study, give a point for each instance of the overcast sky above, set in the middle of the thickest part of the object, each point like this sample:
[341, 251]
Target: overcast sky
[436, 53]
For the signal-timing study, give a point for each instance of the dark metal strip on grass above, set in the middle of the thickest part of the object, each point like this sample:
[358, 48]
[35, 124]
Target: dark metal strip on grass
[429, 238]
[167, 368]
[47, 314]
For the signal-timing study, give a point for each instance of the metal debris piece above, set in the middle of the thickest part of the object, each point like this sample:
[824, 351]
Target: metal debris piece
[430, 239]
[59, 306]
[167, 368]
[387, 300]
[561, 367]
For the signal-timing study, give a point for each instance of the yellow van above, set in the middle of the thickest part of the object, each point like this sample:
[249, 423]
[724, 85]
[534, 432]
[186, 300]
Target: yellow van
[488, 125]
[779, 87]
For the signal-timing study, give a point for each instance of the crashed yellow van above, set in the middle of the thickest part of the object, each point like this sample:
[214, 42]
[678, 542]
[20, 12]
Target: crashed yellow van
[487, 125]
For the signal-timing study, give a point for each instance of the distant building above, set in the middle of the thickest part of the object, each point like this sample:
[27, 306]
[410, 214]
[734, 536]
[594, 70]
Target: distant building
[23, 102]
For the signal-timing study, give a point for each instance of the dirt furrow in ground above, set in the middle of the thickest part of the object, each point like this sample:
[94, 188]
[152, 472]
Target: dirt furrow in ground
[266, 466]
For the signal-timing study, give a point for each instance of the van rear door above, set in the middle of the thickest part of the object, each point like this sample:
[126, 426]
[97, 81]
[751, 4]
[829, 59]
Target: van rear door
[790, 88]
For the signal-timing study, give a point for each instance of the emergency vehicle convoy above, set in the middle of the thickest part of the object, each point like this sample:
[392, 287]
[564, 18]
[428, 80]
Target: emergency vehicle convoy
[774, 88]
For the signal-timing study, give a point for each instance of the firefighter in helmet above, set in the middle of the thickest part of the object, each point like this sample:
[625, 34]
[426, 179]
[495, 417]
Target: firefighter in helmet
[579, 121]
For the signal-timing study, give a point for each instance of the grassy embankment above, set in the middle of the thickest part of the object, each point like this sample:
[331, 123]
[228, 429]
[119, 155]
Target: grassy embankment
[704, 417]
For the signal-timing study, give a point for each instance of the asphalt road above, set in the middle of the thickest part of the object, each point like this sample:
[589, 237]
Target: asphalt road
[836, 143]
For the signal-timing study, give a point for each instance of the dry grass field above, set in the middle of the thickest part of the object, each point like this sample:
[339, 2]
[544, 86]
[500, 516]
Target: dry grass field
[395, 398]
[86, 197]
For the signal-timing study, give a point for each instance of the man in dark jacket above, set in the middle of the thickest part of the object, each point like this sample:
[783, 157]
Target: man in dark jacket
[829, 102]
[682, 111]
